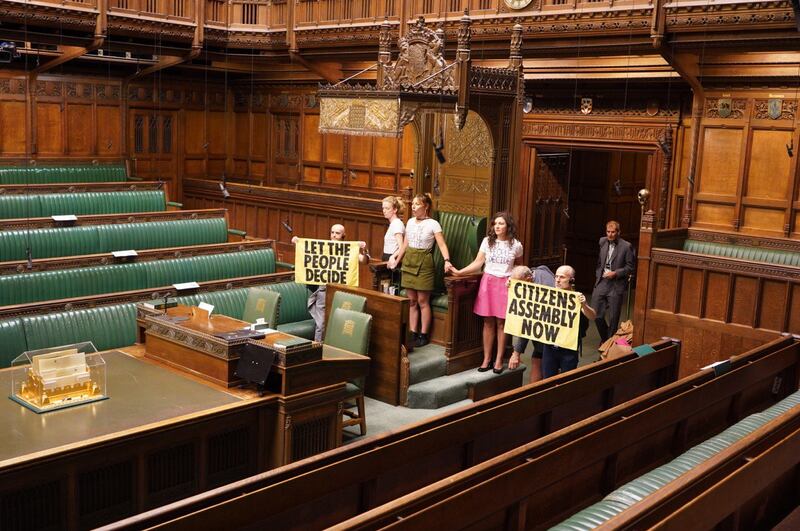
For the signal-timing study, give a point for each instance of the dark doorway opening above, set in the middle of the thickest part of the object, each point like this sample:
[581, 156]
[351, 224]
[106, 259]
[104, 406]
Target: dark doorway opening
[573, 193]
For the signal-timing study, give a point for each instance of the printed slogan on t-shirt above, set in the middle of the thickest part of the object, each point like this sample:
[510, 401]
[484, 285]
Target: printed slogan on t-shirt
[326, 262]
[541, 313]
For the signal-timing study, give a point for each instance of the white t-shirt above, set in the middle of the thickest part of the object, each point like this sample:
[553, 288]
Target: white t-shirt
[420, 234]
[500, 258]
[389, 240]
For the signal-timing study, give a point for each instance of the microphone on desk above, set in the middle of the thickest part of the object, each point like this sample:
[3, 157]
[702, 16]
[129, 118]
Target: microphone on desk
[287, 226]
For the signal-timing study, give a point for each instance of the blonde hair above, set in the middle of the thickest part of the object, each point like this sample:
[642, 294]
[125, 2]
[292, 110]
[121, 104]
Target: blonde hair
[396, 202]
[521, 272]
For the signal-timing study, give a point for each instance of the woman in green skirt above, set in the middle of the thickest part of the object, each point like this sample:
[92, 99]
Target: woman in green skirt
[417, 265]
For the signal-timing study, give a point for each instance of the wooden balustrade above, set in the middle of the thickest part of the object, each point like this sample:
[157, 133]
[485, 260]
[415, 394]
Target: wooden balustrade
[180, 9]
[718, 304]
[325, 12]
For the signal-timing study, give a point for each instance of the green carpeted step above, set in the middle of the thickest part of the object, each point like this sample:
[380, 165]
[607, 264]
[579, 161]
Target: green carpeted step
[426, 363]
[444, 390]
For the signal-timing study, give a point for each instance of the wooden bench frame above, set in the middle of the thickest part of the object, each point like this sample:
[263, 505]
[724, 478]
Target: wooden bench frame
[116, 219]
[547, 480]
[724, 485]
[458, 329]
[142, 295]
[366, 473]
[145, 255]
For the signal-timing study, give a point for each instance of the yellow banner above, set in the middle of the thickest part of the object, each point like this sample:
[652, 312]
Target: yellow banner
[544, 314]
[326, 262]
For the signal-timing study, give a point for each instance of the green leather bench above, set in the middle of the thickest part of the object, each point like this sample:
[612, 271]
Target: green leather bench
[643, 486]
[91, 239]
[25, 287]
[45, 205]
[63, 174]
[293, 316]
[114, 326]
[743, 252]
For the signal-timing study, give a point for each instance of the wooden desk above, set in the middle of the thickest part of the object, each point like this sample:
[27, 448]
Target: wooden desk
[159, 437]
[309, 380]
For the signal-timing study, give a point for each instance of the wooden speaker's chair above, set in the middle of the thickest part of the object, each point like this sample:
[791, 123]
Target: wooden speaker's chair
[455, 325]
[262, 303]
[349, 330]
[348, 301]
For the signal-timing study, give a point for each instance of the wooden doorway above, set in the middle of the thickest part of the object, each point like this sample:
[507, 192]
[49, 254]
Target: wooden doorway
[152, 140]
[571, 194]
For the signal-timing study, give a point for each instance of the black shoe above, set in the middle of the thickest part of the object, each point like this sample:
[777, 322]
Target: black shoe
[422, 340]
[484, 369]
[498, 371]
[414, 338]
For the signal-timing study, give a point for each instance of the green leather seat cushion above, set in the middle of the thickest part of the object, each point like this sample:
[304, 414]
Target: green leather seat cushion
[12, 339]
[645, 485]
[90, 239]
[303, 328]
[62, 174]
[742, 252]
[66, 283]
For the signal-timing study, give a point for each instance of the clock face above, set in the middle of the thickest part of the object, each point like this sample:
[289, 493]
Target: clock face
[517, 4]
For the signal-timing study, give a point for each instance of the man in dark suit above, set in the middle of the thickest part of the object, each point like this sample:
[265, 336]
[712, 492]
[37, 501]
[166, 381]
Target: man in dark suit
[614, 265]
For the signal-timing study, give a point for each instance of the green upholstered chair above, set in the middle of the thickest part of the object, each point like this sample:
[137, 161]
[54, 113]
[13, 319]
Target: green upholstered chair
[348, 301]
[349, 330]
[262, 303]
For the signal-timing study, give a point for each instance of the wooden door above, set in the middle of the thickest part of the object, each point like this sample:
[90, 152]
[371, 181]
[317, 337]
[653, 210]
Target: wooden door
[546, 207]
[153, 142]
[604, 185]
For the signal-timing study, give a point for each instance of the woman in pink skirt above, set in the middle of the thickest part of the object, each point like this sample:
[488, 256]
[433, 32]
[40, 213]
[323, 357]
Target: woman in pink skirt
[500, 251]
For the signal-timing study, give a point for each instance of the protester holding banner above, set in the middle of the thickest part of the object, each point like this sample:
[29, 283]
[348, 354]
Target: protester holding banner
[393, 238]
[544, 276]
[499, 252]
[317, 292]
[557, 359]
[417, 259]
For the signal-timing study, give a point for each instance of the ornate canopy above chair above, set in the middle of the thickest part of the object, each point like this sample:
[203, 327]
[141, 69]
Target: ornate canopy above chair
[419, 81]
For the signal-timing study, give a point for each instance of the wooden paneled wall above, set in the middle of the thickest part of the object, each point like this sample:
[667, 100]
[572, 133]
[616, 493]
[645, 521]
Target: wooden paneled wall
[277, 143]
[718, 305]
[60, 117]
[264, 212]
[747, 181]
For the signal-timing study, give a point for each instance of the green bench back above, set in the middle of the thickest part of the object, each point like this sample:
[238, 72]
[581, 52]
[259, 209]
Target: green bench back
[743, 252]
[79, 204]
[66, 283]
[91, 239]
[643, 486]
[63, 174]
[114, 326]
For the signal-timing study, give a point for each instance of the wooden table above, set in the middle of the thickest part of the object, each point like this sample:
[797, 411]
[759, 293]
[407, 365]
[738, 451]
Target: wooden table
[308, 379]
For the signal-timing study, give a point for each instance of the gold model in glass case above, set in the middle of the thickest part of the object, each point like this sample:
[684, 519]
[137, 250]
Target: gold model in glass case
[57, 378]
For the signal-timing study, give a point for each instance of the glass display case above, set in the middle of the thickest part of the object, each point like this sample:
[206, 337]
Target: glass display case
[58, 377]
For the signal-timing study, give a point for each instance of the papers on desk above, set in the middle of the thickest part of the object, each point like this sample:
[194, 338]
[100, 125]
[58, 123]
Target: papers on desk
[186, 285]
[124, 254]
[65, 217]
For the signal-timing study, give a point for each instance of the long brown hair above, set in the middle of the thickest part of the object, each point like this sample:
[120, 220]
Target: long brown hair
[511, 228]
[425, 199]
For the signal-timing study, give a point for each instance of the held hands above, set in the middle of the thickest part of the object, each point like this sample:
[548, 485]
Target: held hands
[392, 263]
[449, 268]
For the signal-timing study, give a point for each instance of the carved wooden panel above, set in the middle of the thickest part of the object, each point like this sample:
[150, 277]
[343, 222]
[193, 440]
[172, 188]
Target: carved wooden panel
[716, 307]
[464, 183]
[80, 123]
[12, 123]
[722, 153]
